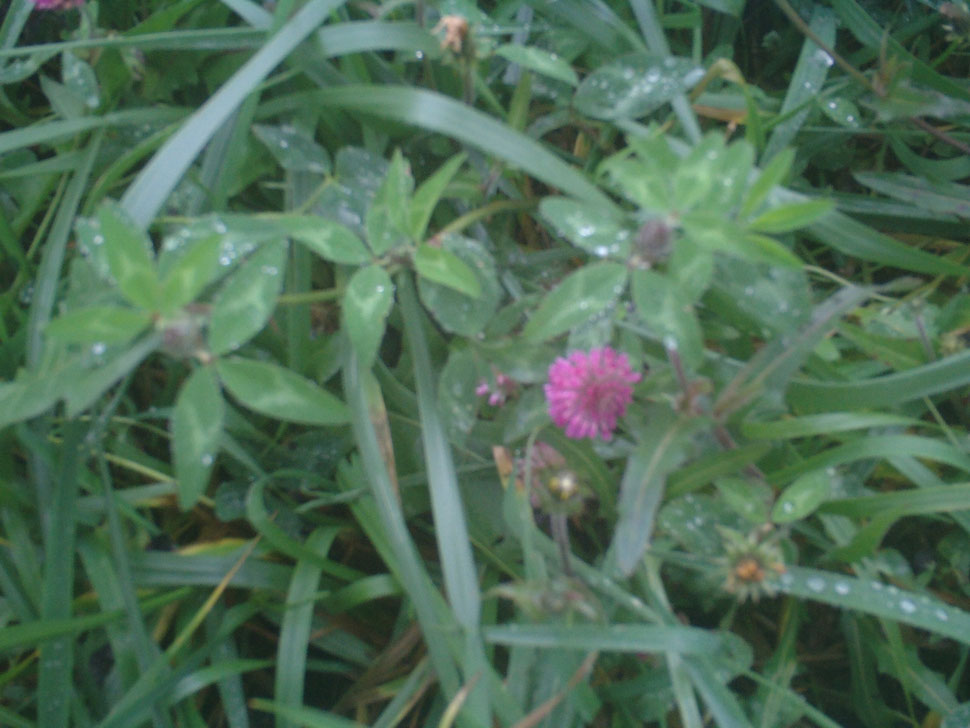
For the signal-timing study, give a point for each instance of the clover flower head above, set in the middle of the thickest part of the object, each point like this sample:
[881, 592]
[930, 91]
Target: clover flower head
[588, 392]
[57, 4]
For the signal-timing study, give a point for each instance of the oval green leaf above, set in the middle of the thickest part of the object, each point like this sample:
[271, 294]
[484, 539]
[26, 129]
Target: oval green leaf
[669, 314]
[791, 216]
[590, 227]
[294, 149]
[328, 239]
[581, 295]
[105, 324]
[277, 392]
[195, 268]
[441, 266]
[635, 85]
[455, 311]
[540, 61]
[802, 497]
[128, 252]
[247, 298]
[367, 301]
[196, 428]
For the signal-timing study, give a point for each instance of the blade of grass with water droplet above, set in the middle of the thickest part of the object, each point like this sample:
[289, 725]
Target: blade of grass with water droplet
[156, 181]
[878, 599]
[810, 72]
[439, 113]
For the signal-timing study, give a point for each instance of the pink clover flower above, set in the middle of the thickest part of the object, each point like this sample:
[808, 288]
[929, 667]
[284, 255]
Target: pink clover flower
[588, 392]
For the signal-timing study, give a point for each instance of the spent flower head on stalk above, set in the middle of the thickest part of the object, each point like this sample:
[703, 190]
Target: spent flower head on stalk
[588, 392]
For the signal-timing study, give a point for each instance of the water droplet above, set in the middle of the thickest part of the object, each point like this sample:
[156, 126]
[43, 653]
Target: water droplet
[822, 57]
[98, 348]
[816, 584]
[419, 55]
[284, 144]
[601, 250]
[270, 270]
[941, 615]
[907, 606]
[787, 506]
[220, 227]
[842, 588]
[98, 239]
[207, 460]
[224, 260]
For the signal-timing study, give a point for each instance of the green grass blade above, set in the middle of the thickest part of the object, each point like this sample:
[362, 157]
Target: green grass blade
[810, 72]
[824, 424]
[295, 627]
[881, 446]
[55, 131]
[48, 276]
[55, 684]
[943, 375]
[656, 40]
[363, 397]
[155, 182]
[878, 599]
[444, 115]
[607, 638]
[302, 716]
[872, 35]
[451, 532]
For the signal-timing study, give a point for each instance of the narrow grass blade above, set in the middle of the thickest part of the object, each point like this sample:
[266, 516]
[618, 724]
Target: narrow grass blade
[294, 644]
[55, 131]
[438, 113]
[55, 685]
[810, 72]
[881, 446]
[656, 40]
[362, 391]
[824, 424]
[878, 599]
[451, 531]
[156, 181]
[661, 449]
[943, 375]
[302, 716]
[48, 276]
[607, 638]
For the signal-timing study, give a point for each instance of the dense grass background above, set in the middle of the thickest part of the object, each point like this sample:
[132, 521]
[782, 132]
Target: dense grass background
[258, 258]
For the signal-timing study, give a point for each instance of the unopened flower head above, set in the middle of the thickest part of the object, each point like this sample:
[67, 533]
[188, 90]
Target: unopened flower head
[588, 392]
[57, 4]
[505, 387]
